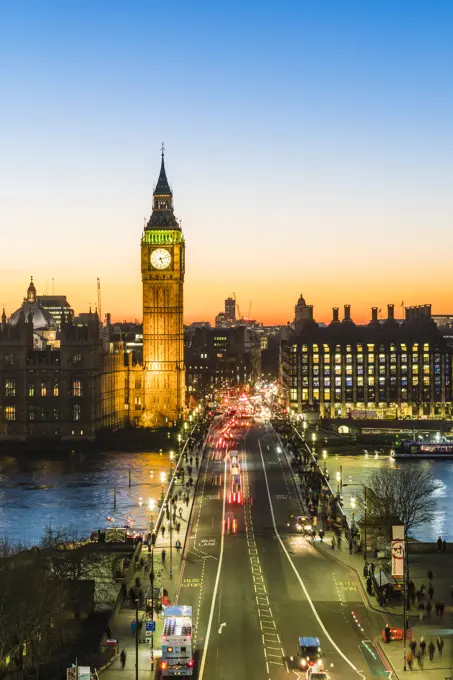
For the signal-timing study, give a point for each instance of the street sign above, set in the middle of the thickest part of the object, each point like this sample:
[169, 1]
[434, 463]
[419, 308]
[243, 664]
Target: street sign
[150, 626]
[398, 551]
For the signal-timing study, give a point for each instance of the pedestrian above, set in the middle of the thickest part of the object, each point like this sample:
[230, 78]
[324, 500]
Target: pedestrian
[429, 607]
[437, 608]
[197, 462]
[163, 530]
[420, 660]
[410, 659]
[441, 610]
[422, 645]
[421, 611]
[413, 646]
[108, 632]
[430, 591]
[178, 546]
[190, 482]
[178, 527]
[365, 570]
[123, 658]
[444, 546]
[440, 644]
[430, 575]
[431, 650]
[124, 592]
[187, 501]
[190, 461]
[164, 555]
[180, 513]
[339, 542]
[439, 544]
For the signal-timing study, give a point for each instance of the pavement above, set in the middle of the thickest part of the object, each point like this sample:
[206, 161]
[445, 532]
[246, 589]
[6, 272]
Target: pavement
[149, 653]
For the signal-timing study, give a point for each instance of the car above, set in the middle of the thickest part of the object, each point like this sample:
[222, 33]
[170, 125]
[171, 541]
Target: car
[309, 652]
[316, 674]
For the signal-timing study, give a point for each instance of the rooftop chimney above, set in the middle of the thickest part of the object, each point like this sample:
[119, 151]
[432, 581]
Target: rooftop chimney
[347, 312]
[374, 316]
[391, 312]
[335, 315]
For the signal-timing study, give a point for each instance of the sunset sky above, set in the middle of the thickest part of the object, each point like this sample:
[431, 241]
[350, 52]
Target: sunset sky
[309, 146]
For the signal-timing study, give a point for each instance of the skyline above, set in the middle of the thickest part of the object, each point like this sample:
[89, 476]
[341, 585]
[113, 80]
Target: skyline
[281, 124]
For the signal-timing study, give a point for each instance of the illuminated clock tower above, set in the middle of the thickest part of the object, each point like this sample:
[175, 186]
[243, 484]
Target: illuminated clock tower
[163, 330]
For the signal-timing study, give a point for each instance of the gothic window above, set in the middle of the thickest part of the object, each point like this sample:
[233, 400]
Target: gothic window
[76, 412]
[76, 388]
[31, 390]
[43, 389]
[10, 413]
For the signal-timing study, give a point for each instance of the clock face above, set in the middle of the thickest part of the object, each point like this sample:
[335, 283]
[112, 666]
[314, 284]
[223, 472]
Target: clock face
[160, 258]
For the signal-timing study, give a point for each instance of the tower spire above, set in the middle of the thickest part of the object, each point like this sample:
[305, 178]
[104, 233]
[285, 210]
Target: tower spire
[162, 186]
[162, 216]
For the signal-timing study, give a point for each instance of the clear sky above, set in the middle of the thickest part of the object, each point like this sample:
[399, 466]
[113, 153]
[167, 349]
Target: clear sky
[309, 146]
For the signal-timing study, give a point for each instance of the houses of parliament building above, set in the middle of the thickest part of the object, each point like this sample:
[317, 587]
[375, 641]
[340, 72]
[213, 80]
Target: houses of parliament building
[61, 376]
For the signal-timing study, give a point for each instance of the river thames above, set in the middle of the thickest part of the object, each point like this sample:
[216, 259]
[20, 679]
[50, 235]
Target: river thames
[78, 490]
[356, 470]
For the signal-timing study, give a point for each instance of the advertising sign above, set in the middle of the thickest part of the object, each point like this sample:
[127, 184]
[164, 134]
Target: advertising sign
[84, 673]
[398, 551]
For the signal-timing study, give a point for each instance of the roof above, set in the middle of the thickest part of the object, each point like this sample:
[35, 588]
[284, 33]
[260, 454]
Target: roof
[309, 642]
[162, 186]
[42, 319]
[183, 610]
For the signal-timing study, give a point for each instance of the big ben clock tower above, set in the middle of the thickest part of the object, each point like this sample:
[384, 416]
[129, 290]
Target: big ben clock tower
[162, 250]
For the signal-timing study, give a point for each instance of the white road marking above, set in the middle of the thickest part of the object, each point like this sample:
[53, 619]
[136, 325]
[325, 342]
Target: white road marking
[222, 626]
[216, 584]
[302, 584]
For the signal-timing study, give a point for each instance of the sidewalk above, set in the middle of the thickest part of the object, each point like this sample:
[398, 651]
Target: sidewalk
[122, 630]
[430, 627]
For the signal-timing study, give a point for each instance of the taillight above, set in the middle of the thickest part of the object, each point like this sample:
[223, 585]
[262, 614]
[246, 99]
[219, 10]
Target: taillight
[229, 497]
[164, 665]
[190, 664]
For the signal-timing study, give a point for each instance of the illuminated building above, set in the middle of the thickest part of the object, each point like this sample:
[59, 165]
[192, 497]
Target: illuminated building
[56, 305]
[162, 263]
[387, 368]
[230, 310]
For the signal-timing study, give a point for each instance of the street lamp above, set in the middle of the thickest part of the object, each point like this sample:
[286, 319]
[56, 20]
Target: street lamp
[151, 505]
[324, 455]
[172, 455]
[353, 508]
[163, 477]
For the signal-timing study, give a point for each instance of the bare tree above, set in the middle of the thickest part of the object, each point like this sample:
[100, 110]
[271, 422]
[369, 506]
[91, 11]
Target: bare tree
[404, 495]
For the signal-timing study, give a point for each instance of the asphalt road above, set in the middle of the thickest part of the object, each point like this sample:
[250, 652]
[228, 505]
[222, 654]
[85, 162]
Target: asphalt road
[256, 591]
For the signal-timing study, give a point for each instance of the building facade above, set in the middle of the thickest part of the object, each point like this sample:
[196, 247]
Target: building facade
[163, 264]
[217, 356]
[386, 368]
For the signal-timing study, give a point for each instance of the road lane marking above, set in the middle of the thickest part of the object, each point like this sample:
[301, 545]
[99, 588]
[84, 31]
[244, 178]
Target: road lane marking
[265, 616]
[302, 584]
[216, 584]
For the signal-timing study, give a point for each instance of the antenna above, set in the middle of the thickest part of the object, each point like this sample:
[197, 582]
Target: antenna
[99, 299]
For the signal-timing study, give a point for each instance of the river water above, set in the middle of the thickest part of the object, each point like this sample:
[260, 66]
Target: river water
[77, 490]
[356, 470]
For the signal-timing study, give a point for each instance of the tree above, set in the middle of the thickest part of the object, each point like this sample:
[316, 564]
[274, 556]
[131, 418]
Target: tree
[404, 495]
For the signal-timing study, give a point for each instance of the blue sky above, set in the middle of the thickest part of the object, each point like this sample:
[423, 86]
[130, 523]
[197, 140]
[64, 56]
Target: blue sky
[309, 145]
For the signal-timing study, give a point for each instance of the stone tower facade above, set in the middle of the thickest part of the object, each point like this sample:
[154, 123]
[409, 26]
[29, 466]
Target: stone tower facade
[162, 264]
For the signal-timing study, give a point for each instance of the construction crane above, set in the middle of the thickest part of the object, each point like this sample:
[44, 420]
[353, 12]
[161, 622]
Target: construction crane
[237, 306]
[99, 299]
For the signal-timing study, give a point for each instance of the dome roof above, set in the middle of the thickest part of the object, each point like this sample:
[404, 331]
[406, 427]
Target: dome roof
[301, 301]
[42, 320]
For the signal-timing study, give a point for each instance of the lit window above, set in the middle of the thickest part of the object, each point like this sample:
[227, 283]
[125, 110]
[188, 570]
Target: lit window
[338, 358]
[293, 395]
[370, 370]
[382, 358]
[31, 390]
[415, 380]
[56, 390]
[316, 358]
[76, 412]
[426, 358]
[426, 347]
[415, 369]
[403, 347]
[76, 388]
[316, 394]
[56, 414]
[10, 388]
[326, 395]
[426, 379]
[43, 390]
[304, 395]
[404, 358]
[77, 358]
[371, 381]
[360, 381]
[360, 358]
[349, 358]
[10, 413]
[371, 358]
